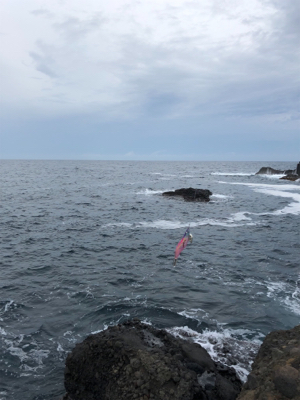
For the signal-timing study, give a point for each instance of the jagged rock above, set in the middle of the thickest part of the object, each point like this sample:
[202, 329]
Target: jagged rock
[291, 177]
[272, 171]
[276, 370]
[289, 174]
[136, 361]
[190, 194]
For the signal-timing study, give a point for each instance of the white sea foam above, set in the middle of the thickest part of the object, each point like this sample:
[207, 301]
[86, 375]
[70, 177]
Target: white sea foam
[237, 219]
[221, 196]
[3, 394]
[121, 224]
[275, 287]
[149, 192]
[285, 191]
[193, 313]
[233, 173]
[29, 361]
[99, 330]
[9, 305]
[162, 224]
[159, 173]
[3, 332]
[270, 176]
[293, 304]
[240, 216]
[286, 294]
[226, 342]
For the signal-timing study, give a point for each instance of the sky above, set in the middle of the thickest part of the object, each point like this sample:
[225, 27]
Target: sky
[150, 80]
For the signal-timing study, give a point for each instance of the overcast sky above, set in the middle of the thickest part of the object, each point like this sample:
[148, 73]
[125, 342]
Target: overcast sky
[150, 79]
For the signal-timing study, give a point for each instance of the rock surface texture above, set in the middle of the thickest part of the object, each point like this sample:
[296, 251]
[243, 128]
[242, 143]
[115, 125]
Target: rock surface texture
[190, 194]
[275, 372]
[289, 174]
[135, 361]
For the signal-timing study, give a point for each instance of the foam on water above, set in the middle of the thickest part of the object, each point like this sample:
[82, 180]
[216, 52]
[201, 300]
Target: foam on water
[286, 294]
[228, 346]
[149, 192]
[30, 361]
[284, 191]
[235, 220]
[220, 196]
[233, 173]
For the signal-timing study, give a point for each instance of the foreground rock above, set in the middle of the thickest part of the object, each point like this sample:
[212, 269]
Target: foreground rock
[276, 370]
[135, 361]
[190, 194]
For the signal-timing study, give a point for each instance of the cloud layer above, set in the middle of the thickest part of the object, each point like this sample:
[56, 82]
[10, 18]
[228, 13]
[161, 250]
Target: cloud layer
[220, 68]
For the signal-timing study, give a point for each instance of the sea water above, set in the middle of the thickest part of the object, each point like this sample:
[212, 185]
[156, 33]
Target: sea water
[89, 244]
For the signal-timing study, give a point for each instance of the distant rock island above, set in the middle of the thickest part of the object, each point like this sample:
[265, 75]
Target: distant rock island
[190, 194]
[289, 174]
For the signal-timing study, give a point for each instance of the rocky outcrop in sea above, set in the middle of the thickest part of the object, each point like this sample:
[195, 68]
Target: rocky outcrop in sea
[136, 361]
[276, 370]
[190, 194]
[289, 174]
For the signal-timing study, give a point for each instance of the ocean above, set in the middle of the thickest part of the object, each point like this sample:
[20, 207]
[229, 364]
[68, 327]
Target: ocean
[89, 244]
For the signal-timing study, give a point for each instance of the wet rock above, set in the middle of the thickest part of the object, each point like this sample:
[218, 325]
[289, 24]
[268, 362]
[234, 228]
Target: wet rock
[276, 370]
[139, 362]
[291, 177]
[289, 174]
[272, 171]
[286, 380]
[190, 194]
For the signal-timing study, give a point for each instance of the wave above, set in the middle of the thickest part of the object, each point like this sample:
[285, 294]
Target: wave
[273, 176]
[285, 191]
[160, 173]
[26, 350]
[286, 294]
[232, 173]
[237, 219]
[221, 196]
[149, 192]
[232, 347]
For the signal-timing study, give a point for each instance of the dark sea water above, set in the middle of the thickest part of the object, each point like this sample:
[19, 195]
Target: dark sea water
[88, 244]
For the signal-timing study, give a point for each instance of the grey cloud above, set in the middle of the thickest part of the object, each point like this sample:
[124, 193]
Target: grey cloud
[223, 79]
[189, 75]
[43, 62]
[42, 12]
[74, 28]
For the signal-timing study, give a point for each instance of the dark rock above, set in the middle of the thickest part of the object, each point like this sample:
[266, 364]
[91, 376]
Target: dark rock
[286, 379]
[190, 194]
[276, 369]
[290, 177]
[272, 171]
[289, 174]
[137, 361]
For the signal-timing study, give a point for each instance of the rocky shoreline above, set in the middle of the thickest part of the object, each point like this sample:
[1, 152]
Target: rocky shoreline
[290, 174]
[276, 370]
[136, 361]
